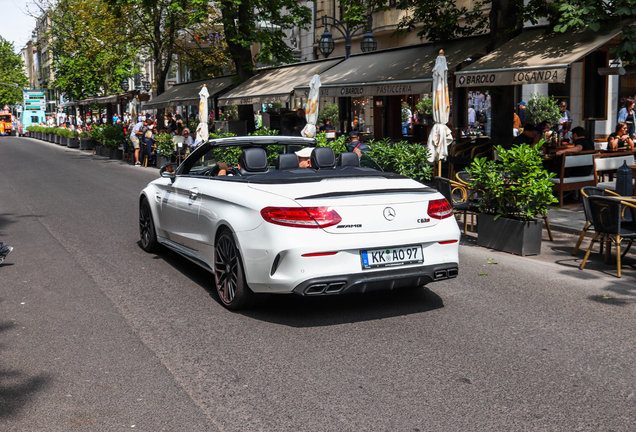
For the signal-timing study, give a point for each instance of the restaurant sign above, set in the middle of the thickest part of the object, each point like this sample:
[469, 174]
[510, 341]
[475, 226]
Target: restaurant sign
[379, 89]
[249, 100]
[518, 77]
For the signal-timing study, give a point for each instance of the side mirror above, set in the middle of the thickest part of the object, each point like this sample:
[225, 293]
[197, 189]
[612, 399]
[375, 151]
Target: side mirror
[168, 171]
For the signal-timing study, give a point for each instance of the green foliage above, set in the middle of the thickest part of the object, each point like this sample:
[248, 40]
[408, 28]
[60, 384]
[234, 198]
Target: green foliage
[112, 135]
[339, 145]
[96, 135]
[542, 108]
[402, 158]
[404, 114]
[425, 106]
[329, 112]
[265, 131]
[11, 72]
[165, 144]
[516, 186]
[241, 19]
[92, 49]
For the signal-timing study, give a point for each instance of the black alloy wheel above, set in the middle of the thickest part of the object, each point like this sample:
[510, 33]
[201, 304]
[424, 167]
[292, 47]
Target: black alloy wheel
[228, 274]
[147, 232]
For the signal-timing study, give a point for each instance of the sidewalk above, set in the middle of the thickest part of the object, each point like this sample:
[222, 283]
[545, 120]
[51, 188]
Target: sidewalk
[569, 218]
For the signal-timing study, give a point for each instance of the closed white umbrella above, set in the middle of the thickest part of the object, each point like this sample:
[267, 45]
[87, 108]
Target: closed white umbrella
[441, 135]
[202, 128]
[311, 112]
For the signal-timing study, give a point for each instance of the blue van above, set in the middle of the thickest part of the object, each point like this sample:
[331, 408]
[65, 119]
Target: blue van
[31, 118]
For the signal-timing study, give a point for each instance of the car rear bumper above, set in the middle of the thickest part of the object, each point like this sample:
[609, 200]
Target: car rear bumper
[377, 280]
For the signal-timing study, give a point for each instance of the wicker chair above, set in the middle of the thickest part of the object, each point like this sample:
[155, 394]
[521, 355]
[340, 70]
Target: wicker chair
[457, 196]
[587, 192]
[607, 220]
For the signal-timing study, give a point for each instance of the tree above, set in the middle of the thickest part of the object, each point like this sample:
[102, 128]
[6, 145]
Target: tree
[240, 20]
[11, 72]
[90, 53]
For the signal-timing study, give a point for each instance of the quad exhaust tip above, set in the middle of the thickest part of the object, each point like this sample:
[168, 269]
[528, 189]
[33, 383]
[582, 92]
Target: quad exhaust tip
[325, 288]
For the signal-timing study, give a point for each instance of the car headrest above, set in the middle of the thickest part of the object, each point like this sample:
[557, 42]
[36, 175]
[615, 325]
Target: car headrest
[323, 158]
[348, 159]
[286, 161]
[253, 160]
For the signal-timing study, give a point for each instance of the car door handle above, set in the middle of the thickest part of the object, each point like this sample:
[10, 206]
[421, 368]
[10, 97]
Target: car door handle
[194, 192]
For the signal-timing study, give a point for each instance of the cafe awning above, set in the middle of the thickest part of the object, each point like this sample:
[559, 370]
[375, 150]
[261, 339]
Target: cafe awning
[534, 57]
[396, 71]
[273, 85]
[188, 93]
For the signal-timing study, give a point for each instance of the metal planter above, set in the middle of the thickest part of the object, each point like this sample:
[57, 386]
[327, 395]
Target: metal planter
[510, 235]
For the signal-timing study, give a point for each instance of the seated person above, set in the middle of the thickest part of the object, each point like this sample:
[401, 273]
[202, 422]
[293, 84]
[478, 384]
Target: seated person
[529, 135]
[355, 145]
[223, 169]
[620, 138]
[304, 157]
[327, 126]
[581, 143]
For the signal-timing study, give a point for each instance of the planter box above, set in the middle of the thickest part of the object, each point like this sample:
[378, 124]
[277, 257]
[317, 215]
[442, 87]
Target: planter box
[510, 235]
[101, 151]
[162, 161]
[86, 144]
[72, 142]
[114, 153]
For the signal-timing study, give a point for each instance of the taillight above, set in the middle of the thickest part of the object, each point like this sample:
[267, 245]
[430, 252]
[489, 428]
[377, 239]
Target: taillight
[439, 209]
[301, 217]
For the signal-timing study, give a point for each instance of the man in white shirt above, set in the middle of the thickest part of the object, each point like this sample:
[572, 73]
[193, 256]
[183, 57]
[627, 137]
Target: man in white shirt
[135, 136]
[472, 116]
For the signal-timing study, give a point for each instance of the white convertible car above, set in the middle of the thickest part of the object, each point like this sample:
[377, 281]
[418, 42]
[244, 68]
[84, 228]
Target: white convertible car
[333, 228]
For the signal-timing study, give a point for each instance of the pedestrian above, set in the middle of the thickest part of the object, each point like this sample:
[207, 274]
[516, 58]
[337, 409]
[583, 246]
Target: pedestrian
[565, 121]
[522, 111]
[355, 145]
[149, 140]
[5, 250]
[135, 135]
[626, 115]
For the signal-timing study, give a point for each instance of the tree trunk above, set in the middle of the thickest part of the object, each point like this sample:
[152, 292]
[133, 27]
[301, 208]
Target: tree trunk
[503, 28]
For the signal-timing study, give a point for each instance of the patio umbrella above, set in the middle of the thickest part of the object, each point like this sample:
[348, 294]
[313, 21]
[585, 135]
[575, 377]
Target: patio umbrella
[440, 135]
[202, 128]
[311, 112]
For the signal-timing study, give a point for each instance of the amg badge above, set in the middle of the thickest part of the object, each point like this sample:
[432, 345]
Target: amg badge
[350, 226]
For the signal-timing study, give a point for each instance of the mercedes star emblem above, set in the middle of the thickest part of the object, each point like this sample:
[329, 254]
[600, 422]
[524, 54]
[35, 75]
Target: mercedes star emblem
[389, 214]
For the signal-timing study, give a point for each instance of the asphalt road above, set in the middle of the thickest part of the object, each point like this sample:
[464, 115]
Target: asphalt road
[97, 335]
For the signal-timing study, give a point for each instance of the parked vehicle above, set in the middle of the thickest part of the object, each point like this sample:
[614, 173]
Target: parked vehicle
[32, 118]
[330, 229]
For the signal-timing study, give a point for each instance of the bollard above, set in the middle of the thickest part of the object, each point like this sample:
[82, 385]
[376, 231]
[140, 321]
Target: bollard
[624, 185]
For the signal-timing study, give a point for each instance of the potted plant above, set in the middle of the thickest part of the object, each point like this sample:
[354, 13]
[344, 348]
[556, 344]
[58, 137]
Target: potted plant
[72, 139]
[85, 142]
[542, 108]
[514, 191]
[165, 149]
[424, 110]
[112, 137]
[95, 133]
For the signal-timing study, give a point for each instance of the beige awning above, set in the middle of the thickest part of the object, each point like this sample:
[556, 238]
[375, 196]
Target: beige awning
[396, 71]
[534, 57]
[273, 85]
[188, 93]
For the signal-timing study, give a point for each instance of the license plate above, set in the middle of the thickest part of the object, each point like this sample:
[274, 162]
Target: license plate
[391, 257]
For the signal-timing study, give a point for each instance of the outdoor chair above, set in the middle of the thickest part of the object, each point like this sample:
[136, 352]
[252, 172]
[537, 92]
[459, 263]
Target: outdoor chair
[587, 192]
[457, 196]
[607, 220]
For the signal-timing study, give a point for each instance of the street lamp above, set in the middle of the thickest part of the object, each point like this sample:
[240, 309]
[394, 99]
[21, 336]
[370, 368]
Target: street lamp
[146, 84]
[125, 85]
[326, 44]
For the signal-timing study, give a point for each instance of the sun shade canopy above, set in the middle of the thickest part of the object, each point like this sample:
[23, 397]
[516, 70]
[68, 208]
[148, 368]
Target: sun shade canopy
[275, 84]
[533, 57]
[188, 93]
[398, 71]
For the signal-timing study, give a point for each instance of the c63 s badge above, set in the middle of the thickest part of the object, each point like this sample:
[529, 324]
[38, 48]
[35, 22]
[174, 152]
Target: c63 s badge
[423, 220]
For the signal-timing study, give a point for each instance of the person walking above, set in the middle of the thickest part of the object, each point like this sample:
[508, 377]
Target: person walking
[135, 135]
[5, 250]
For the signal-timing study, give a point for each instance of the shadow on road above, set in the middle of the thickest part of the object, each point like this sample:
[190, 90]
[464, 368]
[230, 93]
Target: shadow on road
[296, 311]
[16, 388]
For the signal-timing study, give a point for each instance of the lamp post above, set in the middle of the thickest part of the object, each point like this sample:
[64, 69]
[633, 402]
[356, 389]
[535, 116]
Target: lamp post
[326, 44]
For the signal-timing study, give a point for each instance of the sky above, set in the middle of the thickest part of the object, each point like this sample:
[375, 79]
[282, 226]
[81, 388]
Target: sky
[16, 26]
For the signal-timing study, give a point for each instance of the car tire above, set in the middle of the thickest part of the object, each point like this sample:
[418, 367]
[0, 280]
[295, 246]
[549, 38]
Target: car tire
[229, 276]
[147, 232]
